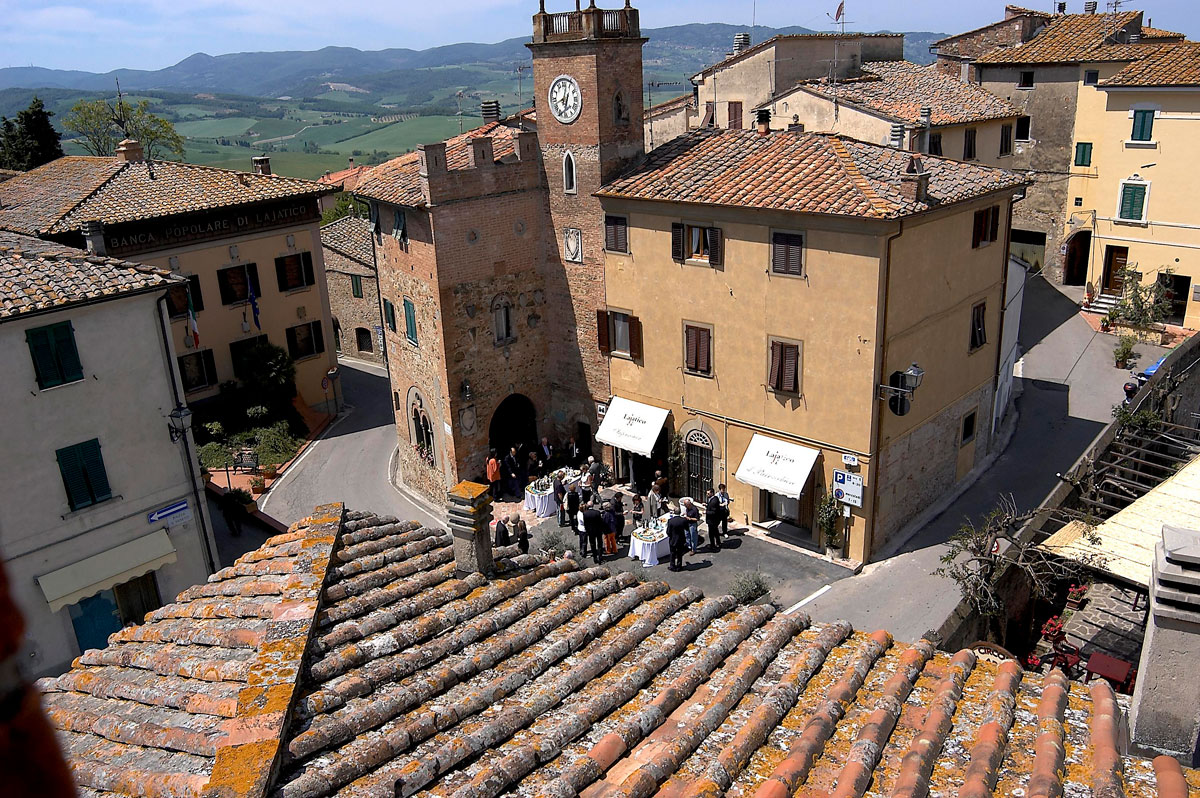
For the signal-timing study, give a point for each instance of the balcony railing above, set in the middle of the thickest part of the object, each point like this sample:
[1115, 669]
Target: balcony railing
[590, 23]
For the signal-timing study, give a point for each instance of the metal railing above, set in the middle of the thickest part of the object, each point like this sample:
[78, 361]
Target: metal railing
[566, 22]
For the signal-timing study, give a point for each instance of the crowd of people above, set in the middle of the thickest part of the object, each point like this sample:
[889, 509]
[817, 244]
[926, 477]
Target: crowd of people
[508, 475]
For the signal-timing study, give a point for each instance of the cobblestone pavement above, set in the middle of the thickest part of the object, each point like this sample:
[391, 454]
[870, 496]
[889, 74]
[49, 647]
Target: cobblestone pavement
[1112, 620]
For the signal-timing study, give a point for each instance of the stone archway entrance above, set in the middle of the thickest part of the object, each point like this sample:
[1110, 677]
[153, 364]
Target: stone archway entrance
[514, 424]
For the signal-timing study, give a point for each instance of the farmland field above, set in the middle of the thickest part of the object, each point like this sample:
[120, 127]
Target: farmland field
[210, 128]
[402, 136]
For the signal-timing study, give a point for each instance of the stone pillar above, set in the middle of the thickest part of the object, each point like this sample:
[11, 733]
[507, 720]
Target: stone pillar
[469, 510]
[1165, 717]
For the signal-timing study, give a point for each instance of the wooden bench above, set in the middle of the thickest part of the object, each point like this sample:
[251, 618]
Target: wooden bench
[246, 461]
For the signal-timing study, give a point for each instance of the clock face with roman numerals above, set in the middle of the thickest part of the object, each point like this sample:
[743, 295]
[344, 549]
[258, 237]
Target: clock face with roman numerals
[566, 101]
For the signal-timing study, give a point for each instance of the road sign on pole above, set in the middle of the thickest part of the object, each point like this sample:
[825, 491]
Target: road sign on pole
[847, 488]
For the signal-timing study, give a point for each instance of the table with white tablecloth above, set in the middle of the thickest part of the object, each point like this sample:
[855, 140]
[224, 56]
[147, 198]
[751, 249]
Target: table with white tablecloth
[542, 502]
[649, 553]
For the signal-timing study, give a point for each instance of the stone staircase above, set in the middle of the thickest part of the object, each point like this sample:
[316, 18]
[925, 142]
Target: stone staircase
[1102, 303]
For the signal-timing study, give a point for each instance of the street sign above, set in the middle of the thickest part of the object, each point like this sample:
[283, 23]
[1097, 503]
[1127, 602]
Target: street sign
[324, 383]
[847, 487]
[850, 459]
[171, 515]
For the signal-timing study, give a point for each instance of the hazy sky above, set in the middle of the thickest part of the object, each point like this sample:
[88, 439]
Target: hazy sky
[98, 35]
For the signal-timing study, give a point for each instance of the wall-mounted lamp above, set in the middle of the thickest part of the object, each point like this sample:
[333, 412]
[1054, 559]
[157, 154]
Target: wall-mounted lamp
[900, 388]
[467, 393]
[179, 421]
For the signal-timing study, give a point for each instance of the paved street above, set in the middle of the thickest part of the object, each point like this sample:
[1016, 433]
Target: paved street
[1069, 386]
[350, 462]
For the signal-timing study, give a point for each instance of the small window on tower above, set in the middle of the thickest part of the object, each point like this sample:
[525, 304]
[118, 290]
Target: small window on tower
[569, 173]
[620, 109]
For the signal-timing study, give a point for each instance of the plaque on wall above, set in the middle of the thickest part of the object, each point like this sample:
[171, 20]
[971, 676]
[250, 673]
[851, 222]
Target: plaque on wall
[573, 245]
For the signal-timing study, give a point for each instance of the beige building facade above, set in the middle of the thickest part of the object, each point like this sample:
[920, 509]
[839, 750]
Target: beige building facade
[102, 516]
[853, 308]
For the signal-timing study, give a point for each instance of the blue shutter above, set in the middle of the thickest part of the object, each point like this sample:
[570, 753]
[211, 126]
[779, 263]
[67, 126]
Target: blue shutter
[93, 466]
[41, 350]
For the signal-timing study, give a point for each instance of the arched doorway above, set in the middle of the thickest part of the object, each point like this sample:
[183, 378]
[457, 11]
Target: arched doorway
[1079, 251]
[514, 424]
[699, 452]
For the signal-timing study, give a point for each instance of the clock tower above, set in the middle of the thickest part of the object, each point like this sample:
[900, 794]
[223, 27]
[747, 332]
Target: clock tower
[587, 82]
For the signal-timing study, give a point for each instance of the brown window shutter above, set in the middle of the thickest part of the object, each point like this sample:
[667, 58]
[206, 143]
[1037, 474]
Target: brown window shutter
[791, 356]
[677, 233]
[795, 252]
[703, 350]
[691, 337]
[610, 233]
[602, 331]
[635, 338]
[622, 235]
[778, 254]
[716, 246]
[776, 364]
[995, 231]
[977, 232]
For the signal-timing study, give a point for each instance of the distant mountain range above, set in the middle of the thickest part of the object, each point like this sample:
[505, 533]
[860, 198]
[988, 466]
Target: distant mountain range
[672, 54]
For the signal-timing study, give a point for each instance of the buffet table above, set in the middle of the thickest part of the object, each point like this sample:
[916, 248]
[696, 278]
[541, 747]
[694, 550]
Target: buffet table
[649, 544]
[541, 499]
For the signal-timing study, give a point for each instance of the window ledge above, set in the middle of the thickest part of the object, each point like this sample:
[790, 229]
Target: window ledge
[501, 342]
[702, 375]
[1026, 88]
[698, 262]
[616, 252]
[801, 276]
[621, 356]
[786, 394]
[195, 391]
[1132, 222]
[977, 349]
[300, 290]
[1141, 145]
[60, 385]
[67, 516]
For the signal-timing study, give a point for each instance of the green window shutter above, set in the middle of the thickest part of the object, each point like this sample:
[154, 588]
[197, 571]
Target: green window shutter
[93, 467]
[318, 336]
[41, 349]
[1143, 125]
[68, 356]
[410, 320]
[356, 286]
[1133, 199]
[1083, 154]
[389, 313]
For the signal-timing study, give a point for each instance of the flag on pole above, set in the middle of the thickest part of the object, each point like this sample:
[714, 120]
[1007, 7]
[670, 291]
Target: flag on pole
[253, 303]
[841, 10]
[193, 327]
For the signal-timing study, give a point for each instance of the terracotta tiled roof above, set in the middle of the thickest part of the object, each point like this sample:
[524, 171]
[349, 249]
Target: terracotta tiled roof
[898, 89]
[1159, 33]
[8, 174]
[802, 172]
[729, 59]
[549, 680]
[60, 196]
[344, 179]
[674, 102]
[37, 276]
[1174, 64]
[397, 181]
[351, 236]
[1072, 38]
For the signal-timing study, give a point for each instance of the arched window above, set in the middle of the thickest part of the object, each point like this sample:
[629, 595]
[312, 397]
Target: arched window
[362, 337]
[620, 109]
[569, 173]
[337, 336]
[502, 321]
[421, 431]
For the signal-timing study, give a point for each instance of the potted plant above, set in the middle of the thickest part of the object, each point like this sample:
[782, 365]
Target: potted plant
[1033, 662]
[271, 470]
[1075, 596]
[258, 484]
[1123, 351]
[1106, 321]
[1053, 630]
[828, 521]
[242, 496]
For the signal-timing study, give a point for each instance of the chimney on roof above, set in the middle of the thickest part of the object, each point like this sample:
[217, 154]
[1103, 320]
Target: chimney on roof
[741, 41]
[763, 119]
[130, 151]
[897, 137]
[1165, 714]
[1089, 7]
[262, 164]
[93, 234]
[490, 110]
[914, 183]
[926, 116]
[469, 510]
[1060, 8]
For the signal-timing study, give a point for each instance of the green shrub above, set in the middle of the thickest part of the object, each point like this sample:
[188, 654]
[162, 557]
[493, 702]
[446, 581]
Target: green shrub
[552, 541]
[240, 495]
[748, 586]
[275, 444]
[215, 455]
[1123, 351]
[257, 413]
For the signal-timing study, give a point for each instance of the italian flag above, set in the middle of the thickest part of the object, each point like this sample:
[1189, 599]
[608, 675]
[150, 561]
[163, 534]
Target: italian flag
[193, 327]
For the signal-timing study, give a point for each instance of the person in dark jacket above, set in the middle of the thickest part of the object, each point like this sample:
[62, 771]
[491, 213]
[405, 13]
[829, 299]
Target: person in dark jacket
[545, 457]
[502, 536]
[572, 454]
[618, 509]
[560, 498]
[713, 513]
[677, 529]
[593, 524]
[573, 502]
[519, 530]
[664, 484]
[512, 473]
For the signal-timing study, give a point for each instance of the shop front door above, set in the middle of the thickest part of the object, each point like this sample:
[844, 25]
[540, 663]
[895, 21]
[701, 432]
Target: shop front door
[1115, 259]
[700, 470]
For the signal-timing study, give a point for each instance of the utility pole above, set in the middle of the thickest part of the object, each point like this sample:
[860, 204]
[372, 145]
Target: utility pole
[521, 70]
[650, 87]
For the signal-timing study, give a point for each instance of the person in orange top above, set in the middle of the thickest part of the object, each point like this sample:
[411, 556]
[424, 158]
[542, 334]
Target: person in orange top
[493, 474]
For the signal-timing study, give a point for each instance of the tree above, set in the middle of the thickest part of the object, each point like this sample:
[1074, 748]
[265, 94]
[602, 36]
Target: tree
[1142, 305]
[979, 558]
[101, 126]
[344, 205]
[269, 375]
[31, 140]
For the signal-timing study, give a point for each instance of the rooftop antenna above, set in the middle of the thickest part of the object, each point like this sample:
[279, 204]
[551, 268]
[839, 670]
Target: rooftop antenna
[650, 87]
[458, 98]
[521, 70]
[118, 113]
[839, 19]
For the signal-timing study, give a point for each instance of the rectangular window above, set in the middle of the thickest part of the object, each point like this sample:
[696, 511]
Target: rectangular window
[1091, 77]
[83, 474]
[735, 116]
[239, 352]
[294, 271]
[1133, 202]
[1143, 126]
[978, 326]
[1006, 133]
[305, 340]
[987, 226]
[619, 333]
[935, 143]
[787, 253]
[696, 242]
[197, 370]
[616, 234]
[697, 349]
[55, 357]
[410, 321]
[784, 374]
[1083, 153]
[968, 429]
[236, 281]
[389, 315]
[969, 144]
[177, 297]
[1023, 123]
[356, 286]
[1025, 80]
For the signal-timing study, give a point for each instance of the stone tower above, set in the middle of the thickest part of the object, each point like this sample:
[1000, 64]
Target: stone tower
[587, 77]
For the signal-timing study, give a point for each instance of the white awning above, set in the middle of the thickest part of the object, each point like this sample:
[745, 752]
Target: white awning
[101, 571]
[776, 466]
[632, 426]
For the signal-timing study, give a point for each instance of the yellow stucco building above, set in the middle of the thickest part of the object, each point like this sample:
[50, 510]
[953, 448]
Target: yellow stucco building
[1131, 196]
[767, 292]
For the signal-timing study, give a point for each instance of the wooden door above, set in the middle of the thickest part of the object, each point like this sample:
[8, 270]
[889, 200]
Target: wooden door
[1115, 260]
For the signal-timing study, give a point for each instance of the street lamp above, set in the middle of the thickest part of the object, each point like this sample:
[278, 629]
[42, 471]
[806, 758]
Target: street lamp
[467, 393]
[179, 422]
[900, 388]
